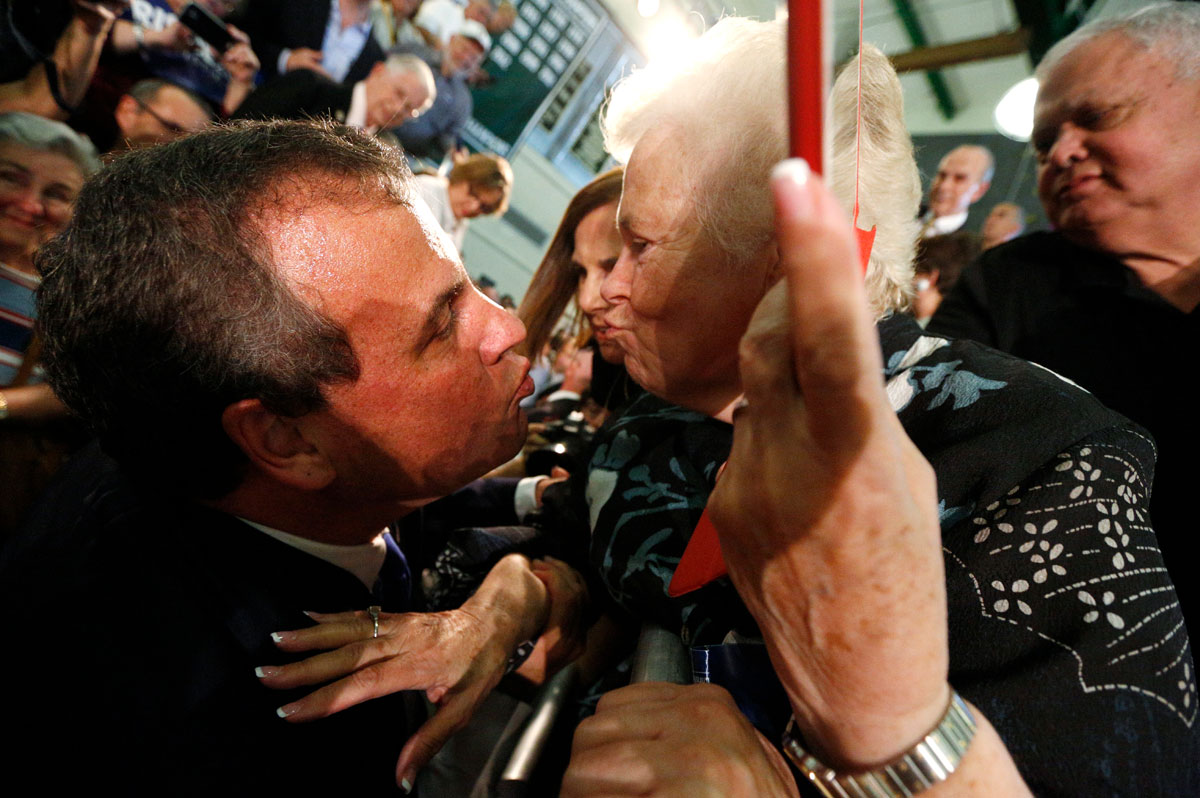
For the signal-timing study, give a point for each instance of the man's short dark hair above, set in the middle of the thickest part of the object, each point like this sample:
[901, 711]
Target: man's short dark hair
[160, 305]
[948, 255]
[146, 91]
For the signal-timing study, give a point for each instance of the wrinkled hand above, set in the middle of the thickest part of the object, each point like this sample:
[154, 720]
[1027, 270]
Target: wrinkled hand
[240, 62]
[449, 655]
[455, 657]
[827, 512]
[306, 58]
[565, 635]
[671, 741]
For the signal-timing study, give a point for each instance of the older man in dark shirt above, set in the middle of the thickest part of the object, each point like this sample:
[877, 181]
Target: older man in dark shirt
[1109, 299]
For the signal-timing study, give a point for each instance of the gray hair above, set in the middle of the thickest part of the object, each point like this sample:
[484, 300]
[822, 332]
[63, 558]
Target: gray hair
[414, 65]
[727, 92]
[45, 135]
[1170, 31]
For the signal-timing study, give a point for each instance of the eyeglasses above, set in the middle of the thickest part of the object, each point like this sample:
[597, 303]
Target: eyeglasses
[173, 127]
[486, 208]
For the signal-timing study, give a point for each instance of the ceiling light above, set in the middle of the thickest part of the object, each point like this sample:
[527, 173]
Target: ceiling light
[667, 37]
[647, 8]
[1014, 112]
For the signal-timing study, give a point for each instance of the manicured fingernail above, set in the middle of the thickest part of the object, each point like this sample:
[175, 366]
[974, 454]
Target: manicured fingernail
[264, 671]
[311, 614]
[793, 169]
[790, 179]
[281, 637]
[287, 710]
[406, 785]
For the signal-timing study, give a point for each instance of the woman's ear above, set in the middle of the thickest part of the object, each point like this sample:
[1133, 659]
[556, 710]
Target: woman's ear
[276, 445]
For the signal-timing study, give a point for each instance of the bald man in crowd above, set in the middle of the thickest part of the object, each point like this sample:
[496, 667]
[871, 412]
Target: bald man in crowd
[1108, 299]
[1004, 222]
[962, 178]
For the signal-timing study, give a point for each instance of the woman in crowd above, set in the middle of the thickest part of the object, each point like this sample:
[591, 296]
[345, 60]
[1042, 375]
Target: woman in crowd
[478, 185]
[42, 167]
[580, 255]
[940, 261]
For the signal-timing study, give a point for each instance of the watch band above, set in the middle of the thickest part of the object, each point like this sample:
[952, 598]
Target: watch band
[930, 761]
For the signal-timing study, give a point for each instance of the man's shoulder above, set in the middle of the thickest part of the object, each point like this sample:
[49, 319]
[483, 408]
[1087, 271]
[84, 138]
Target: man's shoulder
[1031, 251]
[1033, 254]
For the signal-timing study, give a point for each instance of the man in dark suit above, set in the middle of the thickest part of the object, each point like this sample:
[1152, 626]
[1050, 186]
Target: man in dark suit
[261, 326]
[396, 90]
[330, 37]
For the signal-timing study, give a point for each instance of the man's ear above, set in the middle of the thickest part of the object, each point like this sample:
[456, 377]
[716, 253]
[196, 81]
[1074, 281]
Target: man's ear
[126, 110]
[277, 446]
[980, 191]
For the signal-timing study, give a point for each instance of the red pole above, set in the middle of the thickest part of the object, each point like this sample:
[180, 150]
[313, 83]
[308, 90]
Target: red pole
[808, 79]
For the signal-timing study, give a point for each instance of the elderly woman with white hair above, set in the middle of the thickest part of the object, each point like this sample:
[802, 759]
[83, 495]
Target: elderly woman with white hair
[899, 615]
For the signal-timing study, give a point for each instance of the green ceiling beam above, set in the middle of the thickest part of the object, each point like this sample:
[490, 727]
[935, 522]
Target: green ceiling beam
[916, 34]
[1048, 21]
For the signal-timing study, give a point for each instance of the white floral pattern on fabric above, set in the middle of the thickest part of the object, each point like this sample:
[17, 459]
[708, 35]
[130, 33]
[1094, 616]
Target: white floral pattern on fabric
[1076, 544]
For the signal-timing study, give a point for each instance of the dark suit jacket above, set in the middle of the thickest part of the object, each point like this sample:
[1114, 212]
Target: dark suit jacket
[275, 25]
[139, 621]
[301, 94]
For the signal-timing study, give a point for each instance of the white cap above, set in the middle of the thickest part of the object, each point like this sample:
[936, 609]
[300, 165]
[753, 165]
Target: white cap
[475, 32]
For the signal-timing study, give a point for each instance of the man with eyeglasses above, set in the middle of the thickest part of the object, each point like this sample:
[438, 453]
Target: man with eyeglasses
[396, 90]
[155, 112]
[437, 133]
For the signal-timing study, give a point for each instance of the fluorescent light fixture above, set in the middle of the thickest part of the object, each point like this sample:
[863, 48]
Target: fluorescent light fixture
[1014, 112]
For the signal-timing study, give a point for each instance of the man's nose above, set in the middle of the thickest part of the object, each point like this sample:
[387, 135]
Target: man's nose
[504, 331]
[1068, 146]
